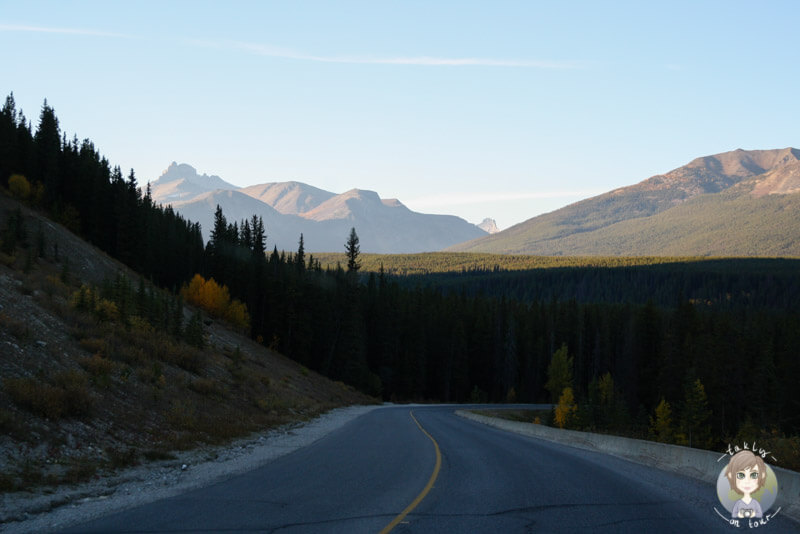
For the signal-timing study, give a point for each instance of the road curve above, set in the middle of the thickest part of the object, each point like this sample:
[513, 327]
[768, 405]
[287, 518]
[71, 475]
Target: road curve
[424, 469]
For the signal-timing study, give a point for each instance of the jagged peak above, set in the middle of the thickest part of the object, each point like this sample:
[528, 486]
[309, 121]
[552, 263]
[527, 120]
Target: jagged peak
[489, 226]
[183, 171]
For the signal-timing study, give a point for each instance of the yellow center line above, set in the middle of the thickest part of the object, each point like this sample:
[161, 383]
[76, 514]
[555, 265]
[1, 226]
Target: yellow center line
[396, 521]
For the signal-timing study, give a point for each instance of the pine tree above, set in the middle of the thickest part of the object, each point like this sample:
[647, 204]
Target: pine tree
[47, 143]
[352, 249]
[259, 236]
[8, 139]
[300, 257]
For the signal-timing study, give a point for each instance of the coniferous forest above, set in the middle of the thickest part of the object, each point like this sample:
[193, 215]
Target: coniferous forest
[718, 341]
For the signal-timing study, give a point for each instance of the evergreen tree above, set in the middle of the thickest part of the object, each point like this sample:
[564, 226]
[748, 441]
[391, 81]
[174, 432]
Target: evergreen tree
[259, 236]
[47, 142]
[300, 257]
[352, 249]
[8, 140]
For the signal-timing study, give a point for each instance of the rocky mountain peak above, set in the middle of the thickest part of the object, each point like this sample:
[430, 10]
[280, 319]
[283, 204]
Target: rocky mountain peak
[489, 226]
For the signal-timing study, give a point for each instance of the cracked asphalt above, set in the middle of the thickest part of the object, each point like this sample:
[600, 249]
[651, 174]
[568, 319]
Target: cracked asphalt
[362, 476]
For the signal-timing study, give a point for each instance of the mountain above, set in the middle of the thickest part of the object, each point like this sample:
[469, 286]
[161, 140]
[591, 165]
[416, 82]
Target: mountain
[289, 198]
[324, 218]
[182, 182]
[489, 226]
[739, 203]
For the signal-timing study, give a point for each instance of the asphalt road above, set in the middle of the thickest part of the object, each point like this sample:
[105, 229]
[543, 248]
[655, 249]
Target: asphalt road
[424, 469]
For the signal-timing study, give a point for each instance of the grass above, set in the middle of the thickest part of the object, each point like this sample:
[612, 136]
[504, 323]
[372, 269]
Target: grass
[64, 395]
[105, 377]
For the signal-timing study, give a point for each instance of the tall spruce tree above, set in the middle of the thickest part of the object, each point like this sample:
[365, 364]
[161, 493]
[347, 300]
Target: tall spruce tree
[300, 257]
[352, 249]
[47, 142]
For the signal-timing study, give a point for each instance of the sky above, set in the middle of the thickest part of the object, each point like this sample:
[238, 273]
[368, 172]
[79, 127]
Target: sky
[494, 109]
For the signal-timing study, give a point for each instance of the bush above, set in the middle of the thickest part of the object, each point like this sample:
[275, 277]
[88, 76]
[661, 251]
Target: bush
[68, 396]
[216, 300]
[94, 345]
[97, 366]
[187, 358]
[566, 409]
[15, 327]
[19, 186]
[206, 386]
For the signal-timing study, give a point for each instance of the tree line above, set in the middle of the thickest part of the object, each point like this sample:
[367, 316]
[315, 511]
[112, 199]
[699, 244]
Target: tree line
[648, 333]
[77, 186]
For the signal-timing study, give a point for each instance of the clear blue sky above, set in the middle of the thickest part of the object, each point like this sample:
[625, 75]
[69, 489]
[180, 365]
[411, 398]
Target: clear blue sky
[478, 109]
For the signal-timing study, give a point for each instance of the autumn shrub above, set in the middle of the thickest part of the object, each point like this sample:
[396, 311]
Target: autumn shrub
[153, 374]
[216, 300]
[54, 286]
[94, 345]
[34, 396]
[223, 429]
[19, 186]
[78, 399]
[661, 426]
[206, 386]
[566, 408]
[96, 365]
[88, 299]
[19, 329]
[67, 396]
[130, 354]
[186, 357]
[182, 415]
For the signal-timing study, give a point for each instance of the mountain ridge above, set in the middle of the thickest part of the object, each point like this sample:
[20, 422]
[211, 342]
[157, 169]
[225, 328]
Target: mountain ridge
[323, 218]
[737, 184]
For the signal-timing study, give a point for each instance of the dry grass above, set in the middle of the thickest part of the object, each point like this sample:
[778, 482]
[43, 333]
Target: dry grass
[86, 376]
[65, 395]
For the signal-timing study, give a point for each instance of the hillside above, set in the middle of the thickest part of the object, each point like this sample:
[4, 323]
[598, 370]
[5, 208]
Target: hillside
[93, 381]
[324, 218]
[740, 203]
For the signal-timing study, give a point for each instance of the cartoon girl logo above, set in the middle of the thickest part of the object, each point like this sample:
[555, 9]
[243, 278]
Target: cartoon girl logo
[746, 473]
[747, 487]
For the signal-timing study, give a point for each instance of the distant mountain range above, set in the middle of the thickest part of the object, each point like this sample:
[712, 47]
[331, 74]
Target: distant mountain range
[324, 218]
[740, 203]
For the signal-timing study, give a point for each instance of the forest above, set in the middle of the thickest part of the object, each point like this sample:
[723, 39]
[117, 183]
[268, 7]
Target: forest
[714, 340]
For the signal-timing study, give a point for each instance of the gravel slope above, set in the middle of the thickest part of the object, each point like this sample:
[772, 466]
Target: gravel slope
[21, 512]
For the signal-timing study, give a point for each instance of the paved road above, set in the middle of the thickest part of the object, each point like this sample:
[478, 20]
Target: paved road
[447, 474]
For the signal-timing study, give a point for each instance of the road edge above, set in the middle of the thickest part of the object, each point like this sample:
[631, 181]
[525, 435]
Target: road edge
[191, 470]
[695, 463]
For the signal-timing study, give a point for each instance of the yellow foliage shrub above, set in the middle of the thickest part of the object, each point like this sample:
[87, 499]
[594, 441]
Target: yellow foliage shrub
[19, 186]
[566, 408]
[216, 300]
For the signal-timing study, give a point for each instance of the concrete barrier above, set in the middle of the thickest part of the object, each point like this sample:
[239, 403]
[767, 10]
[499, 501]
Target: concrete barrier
[699, 464]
